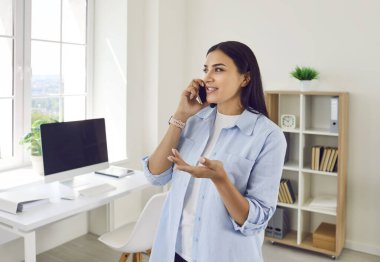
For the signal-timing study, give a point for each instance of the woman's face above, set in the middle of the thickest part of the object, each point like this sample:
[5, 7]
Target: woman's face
[223, 81]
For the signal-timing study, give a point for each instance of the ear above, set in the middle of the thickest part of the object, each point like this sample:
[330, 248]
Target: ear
[247, 78]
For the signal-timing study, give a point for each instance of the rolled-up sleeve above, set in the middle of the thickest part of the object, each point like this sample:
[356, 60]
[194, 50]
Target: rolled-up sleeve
[158, 180]
[263, 185]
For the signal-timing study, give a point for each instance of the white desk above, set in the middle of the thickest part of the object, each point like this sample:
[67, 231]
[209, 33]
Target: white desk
[25, 224]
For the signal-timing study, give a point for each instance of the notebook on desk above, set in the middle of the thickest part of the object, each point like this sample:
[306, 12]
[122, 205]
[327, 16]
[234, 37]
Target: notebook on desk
[115, 171]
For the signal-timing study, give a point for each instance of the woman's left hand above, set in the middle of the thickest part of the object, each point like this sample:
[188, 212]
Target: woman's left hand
[212, 169]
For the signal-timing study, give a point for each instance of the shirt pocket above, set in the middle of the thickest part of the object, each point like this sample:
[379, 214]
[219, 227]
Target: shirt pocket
[238, 170]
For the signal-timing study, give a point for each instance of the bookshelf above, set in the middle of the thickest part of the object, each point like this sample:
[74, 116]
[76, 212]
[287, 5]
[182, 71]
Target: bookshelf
[313, 115]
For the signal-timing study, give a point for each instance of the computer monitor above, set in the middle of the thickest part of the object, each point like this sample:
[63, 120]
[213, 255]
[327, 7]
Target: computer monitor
[73, 148]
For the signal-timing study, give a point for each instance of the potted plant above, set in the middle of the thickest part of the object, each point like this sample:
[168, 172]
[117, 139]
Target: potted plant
[305, 75]
[33, 139]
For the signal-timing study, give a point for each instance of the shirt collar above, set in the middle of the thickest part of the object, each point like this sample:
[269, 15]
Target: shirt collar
[246, 122]
[207, 112]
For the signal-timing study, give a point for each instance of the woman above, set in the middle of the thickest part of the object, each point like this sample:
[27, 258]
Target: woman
[224, 158]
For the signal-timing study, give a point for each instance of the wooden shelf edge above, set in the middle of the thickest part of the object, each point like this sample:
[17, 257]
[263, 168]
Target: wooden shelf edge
[290, 239]
[297, 92]
[307, 244]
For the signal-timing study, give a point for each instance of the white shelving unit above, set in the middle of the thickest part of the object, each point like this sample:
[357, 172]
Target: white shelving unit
[312, 111]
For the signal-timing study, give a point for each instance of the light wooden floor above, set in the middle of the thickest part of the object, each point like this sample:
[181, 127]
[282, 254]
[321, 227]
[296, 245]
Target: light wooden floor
[88, 249]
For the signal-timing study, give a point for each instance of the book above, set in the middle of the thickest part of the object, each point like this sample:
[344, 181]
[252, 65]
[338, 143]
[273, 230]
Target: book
[290, 191]
[323, 161]
[318, 156]
[279, 198]
[335, 162]
[281, 193]
[313, 157]
[326, 159]
[284, 193]
[330, 159]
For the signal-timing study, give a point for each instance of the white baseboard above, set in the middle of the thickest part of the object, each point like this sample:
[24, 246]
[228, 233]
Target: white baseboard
[365, 248]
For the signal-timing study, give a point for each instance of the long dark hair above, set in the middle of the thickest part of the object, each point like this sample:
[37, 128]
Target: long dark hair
[252, 95]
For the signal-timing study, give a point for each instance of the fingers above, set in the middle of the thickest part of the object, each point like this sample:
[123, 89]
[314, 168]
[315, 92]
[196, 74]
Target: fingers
[212, 164]
[208, 169]
[193, 87]
[176, 158]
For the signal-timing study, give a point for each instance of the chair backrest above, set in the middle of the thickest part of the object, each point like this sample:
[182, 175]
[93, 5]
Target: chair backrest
[144, 231]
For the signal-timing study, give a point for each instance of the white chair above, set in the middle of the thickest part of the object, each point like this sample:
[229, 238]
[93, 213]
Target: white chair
[137, 237]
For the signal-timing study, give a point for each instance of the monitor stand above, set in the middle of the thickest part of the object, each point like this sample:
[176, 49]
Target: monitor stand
[69, 188]
[74, 183]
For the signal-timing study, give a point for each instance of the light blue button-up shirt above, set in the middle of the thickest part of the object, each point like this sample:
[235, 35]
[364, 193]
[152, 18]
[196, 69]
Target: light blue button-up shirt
[252, 152]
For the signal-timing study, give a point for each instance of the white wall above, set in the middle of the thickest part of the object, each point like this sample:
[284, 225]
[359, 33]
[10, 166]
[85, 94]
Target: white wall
[164, 63]
[341, 39]
[110, 73]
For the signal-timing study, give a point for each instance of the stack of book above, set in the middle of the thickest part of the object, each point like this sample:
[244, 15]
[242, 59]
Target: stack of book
[324, 158]
[286, 193]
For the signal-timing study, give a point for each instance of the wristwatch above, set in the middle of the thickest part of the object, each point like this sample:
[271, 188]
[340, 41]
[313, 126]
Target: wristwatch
[177, 123]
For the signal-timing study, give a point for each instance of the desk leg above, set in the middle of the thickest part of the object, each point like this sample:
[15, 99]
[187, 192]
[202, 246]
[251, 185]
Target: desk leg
[110, 216]
[30, 246]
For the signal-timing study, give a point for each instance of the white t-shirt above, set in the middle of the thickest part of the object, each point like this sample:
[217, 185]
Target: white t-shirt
[185, 230]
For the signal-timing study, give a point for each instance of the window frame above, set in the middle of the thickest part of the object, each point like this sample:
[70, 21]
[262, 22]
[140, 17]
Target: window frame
[18, 79]
[22, 74]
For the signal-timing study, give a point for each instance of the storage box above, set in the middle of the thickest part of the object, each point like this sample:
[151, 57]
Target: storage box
[324, 236]
[278, 225]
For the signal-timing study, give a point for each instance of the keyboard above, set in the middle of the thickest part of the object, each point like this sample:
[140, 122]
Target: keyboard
[96, 190]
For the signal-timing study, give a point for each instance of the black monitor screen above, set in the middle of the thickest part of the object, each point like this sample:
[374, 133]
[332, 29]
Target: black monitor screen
[71, 145]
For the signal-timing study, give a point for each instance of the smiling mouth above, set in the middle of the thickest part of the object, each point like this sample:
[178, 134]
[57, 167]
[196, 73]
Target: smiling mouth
[210, 90]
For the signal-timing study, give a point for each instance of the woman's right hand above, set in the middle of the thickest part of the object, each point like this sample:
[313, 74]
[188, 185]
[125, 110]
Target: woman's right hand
[188, 104]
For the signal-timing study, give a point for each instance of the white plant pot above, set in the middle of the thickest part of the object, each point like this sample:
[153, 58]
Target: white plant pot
[37, 164]
[305, 85]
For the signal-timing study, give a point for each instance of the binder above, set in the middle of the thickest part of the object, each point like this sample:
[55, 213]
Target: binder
[20, 200]
[334, 102]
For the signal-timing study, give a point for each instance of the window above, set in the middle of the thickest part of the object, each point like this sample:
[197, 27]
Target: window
[58, 59]
[43, 67]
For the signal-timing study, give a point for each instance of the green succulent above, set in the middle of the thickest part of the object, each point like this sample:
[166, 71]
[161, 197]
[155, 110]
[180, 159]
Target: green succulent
[33, 138]
[304, 73]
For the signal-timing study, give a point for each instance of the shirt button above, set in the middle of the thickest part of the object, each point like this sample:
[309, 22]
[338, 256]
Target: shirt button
[203, 196]
[196, 240]
[199, 218]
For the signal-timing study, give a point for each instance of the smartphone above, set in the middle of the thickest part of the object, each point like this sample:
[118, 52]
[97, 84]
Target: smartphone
[202, 94]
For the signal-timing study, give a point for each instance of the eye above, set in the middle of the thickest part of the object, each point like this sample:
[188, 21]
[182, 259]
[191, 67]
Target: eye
[205, 70]
[218, 69]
